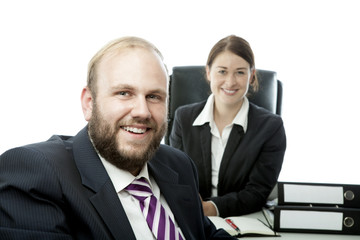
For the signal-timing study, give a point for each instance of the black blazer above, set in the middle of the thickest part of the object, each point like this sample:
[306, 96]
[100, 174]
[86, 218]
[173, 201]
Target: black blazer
[251, 162]
[59, 189]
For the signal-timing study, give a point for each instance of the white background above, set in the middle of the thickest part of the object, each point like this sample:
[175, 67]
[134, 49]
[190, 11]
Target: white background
[313, 45]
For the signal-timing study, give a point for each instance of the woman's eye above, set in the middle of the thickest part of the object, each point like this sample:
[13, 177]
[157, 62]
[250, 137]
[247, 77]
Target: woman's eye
[222, 71]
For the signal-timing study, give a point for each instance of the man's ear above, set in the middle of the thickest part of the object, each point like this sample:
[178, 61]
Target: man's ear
[86, 103]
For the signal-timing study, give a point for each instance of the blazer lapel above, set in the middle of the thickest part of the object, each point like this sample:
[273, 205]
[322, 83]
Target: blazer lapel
[103, 196]
[205, 144]
[235, 137]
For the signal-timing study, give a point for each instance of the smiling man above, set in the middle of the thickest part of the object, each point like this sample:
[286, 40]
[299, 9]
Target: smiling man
[113, 180]
[126, 105]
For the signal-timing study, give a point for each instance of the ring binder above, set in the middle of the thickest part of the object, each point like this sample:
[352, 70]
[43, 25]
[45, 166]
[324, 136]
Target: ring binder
[318, 219]
[296, 193]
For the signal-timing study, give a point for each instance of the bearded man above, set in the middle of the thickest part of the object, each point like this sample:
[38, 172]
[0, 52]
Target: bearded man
[113, 180]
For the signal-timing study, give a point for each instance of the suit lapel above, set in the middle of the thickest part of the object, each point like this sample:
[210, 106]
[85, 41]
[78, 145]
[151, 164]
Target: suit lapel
[177, 196]
[110, 209]
[103, 195]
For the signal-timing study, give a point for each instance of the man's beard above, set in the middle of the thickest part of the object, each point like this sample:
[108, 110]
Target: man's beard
[104, 138]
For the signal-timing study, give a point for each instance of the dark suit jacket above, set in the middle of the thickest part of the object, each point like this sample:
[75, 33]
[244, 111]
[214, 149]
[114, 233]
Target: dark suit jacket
[59, 189]
[250, 165]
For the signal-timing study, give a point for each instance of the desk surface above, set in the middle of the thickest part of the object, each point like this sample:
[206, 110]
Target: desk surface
[300, 236]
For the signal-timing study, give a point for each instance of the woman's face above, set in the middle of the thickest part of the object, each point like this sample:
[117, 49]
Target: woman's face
[229, 78]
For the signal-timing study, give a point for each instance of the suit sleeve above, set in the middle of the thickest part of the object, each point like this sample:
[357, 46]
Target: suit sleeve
[30, 197]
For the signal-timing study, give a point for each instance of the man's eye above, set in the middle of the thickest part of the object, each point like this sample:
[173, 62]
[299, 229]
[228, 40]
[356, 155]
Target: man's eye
[221, 71]
[154, 97]
[123, 93]
[241, 72]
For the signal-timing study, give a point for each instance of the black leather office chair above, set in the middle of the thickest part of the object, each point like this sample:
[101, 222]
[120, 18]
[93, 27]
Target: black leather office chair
[188, 85]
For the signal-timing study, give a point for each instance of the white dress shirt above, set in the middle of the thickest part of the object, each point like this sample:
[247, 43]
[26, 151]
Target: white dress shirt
[122, 179]
[218, 142]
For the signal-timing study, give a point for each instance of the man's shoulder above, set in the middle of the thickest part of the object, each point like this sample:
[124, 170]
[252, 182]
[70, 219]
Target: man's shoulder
[53, 144]
[52, 148]
[168, 151]
[171, 156]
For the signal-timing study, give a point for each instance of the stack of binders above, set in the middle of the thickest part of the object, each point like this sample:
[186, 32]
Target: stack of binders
[317, 208]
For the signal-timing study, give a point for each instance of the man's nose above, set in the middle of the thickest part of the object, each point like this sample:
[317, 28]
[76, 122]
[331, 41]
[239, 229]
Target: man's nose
[140, 108]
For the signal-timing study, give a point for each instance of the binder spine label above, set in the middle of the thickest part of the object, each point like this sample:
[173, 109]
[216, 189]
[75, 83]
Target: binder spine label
[294, 193]
[292, 219]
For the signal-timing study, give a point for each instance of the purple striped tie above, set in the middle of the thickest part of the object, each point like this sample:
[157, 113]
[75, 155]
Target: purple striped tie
[156, 217]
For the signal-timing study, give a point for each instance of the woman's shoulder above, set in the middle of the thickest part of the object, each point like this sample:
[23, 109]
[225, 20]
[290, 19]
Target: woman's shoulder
[260, 113]
[192, 108]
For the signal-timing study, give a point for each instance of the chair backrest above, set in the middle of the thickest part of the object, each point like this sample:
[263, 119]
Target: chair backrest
[188, 85]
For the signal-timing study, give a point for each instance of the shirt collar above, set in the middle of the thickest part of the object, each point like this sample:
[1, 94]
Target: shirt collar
[121, 178]
[206, 115]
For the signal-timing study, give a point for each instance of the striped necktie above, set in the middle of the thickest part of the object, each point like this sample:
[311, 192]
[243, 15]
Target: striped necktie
[156, 217]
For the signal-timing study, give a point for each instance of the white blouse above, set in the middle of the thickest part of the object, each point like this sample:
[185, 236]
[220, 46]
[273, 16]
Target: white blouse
[218, 142]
